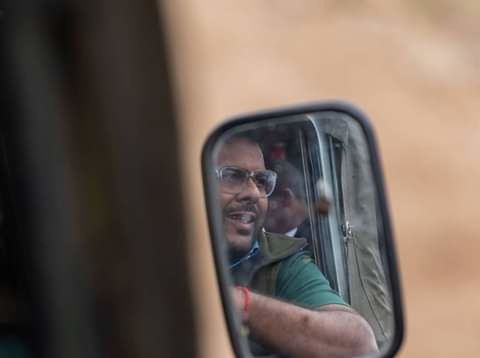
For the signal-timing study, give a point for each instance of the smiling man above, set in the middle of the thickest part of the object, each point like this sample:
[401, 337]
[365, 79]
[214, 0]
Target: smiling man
[245, 185]
[285, 301]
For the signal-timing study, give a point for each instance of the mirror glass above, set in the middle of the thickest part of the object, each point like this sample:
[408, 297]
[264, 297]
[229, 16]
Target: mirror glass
[301, 233]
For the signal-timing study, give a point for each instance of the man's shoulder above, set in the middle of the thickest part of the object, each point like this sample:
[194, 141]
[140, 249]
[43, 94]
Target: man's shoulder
[278, 246]
[276, 250]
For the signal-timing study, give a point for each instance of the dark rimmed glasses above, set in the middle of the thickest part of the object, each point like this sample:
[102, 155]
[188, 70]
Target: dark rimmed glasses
[233, 180]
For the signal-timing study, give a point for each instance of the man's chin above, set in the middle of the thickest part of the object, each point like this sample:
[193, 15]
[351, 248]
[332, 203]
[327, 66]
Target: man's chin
[239, 245]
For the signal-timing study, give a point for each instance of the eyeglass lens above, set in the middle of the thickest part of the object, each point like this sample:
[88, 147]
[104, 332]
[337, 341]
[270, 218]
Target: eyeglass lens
[235, 179]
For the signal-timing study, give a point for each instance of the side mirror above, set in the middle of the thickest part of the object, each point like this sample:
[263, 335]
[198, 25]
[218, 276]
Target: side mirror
[301, 234]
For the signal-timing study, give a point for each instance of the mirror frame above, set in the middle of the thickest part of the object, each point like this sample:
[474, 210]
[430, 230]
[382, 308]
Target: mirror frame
[216, 226]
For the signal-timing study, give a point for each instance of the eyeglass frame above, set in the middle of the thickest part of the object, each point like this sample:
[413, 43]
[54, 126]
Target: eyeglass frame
[250, 175]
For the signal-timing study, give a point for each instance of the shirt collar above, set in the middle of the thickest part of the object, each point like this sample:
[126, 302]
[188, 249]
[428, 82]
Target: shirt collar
[253, 251]
[292, 232]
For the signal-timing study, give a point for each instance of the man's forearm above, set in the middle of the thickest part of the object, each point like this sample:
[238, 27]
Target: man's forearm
[335, 331]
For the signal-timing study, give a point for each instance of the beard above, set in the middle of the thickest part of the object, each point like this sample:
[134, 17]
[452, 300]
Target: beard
[242, 224]
[236, 252]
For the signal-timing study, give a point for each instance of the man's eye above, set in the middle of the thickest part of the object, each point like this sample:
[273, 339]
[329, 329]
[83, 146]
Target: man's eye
[233, 175]
[261, 180]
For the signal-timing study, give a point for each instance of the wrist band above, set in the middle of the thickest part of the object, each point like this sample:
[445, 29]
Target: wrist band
[246, 297]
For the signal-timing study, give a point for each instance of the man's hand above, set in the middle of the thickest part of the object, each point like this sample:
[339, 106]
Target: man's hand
[330, 331]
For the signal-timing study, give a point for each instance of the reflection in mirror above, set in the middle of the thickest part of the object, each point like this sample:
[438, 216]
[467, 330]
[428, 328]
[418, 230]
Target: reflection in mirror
[303, 236]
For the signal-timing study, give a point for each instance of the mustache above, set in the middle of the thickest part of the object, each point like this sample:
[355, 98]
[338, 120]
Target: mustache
[244, 207]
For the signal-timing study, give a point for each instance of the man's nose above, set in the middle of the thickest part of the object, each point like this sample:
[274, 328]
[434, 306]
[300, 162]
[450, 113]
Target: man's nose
[250, 191]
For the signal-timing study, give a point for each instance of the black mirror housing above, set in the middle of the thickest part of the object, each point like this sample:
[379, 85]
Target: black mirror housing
[326, 154]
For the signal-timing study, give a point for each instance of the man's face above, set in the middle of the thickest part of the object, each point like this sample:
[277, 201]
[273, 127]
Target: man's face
[286, 211]
[277, 216]
[244, 212]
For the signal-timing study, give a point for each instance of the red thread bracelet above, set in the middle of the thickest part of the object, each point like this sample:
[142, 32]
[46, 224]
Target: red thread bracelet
[246, 298]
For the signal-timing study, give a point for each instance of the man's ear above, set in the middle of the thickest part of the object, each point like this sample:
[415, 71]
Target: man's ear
[287, 196]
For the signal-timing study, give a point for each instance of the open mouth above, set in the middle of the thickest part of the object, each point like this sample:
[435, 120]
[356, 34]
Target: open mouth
[243, 218]
[242, 221]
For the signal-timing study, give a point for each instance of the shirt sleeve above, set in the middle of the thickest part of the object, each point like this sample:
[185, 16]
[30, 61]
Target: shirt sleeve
[301, 282]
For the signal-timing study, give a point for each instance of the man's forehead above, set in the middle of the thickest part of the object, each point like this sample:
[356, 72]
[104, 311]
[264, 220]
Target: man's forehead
[241, 152]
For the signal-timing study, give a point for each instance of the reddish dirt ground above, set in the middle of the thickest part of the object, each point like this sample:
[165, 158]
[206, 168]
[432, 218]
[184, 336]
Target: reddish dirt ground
[414, 67]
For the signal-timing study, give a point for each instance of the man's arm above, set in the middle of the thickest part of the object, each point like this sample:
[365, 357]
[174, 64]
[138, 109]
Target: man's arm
[331, 331]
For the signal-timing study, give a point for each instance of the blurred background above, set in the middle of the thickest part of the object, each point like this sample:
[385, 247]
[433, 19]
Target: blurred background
[414, 67]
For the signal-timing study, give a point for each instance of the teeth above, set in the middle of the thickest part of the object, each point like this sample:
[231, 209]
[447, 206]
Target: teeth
[245, 219]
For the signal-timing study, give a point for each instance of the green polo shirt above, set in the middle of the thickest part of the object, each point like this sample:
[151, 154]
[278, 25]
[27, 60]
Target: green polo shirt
[283, 269]
[299, 281]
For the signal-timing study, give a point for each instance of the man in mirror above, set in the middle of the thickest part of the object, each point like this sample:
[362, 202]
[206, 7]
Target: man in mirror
[284, 300]
[287, 209]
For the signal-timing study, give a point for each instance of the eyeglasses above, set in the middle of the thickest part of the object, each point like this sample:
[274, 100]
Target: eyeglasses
[233, 180]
